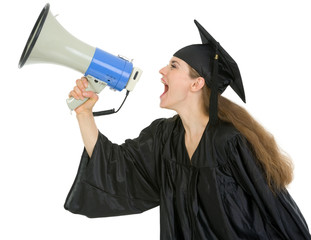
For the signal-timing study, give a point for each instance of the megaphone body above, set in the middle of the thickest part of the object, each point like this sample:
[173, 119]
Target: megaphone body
[49, 42]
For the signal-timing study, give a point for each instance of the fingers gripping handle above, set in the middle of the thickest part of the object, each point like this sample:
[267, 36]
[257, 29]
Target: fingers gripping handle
[93, 85]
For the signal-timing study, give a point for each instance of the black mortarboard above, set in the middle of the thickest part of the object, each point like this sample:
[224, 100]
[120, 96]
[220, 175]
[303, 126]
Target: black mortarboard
[215, 65]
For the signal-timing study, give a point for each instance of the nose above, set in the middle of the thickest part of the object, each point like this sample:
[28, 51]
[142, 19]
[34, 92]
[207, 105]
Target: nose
[162, 71]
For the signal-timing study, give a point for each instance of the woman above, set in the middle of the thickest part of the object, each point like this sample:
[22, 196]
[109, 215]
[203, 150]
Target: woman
[214, 171]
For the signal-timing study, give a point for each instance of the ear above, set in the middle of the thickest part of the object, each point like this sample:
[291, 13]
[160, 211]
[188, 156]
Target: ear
[197, 84]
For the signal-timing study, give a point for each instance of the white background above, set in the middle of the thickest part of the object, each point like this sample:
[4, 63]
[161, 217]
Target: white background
[40, 140]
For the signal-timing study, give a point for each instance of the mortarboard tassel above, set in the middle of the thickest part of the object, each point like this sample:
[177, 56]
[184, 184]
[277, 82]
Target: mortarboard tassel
[213, 107]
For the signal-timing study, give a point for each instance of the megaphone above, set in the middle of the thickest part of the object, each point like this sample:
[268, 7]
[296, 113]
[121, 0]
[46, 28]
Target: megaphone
[49, 42]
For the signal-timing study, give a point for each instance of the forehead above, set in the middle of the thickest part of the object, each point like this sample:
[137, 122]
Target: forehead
[183, 65]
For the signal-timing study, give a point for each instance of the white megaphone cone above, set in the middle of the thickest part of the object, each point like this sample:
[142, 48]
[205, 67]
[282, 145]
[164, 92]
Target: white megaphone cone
[49, 42]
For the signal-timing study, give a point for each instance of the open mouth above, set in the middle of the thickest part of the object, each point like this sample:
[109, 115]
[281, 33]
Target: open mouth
[165, 87]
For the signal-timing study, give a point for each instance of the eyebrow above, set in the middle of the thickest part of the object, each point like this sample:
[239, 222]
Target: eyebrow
[174, 61]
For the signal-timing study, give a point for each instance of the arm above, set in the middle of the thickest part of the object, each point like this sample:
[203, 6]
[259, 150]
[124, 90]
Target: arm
[113, 179]
[84, 114]
[117, 179]
[88, 131]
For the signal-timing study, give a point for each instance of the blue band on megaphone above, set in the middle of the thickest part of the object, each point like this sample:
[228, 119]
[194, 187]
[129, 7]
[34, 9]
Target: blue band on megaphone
[114, 71]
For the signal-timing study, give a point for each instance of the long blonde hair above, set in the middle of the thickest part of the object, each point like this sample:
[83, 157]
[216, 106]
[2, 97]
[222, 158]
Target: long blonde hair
[277, 165]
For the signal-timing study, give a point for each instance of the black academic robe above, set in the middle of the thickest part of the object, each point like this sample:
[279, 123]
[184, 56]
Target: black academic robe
[220, 194]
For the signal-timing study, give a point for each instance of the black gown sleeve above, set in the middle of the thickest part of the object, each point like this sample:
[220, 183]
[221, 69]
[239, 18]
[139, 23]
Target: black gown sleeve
[117, 179]
[278, 210]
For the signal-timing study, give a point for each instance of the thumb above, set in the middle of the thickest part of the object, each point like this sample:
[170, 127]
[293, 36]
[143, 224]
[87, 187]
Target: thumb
[89, 104]
[90, 94]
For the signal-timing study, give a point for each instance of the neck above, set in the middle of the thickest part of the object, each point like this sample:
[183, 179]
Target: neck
[194, 121]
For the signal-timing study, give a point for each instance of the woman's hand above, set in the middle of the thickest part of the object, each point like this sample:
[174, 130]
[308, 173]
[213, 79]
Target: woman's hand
[84, 114]
[79, 92]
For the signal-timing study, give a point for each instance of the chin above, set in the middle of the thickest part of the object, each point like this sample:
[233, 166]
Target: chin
[163, 105]
[166, 104]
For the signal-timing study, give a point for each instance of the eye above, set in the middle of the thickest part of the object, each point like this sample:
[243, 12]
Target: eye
[172, 66]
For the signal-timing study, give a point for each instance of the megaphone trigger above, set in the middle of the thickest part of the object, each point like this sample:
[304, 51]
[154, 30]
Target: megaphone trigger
[93, 85]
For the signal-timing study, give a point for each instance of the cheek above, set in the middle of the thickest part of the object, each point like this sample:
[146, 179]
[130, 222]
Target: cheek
[179, 90]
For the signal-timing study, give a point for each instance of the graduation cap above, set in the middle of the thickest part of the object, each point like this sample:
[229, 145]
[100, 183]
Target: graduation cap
[215, 65]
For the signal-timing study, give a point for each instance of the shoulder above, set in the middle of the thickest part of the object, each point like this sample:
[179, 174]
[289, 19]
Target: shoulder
[224, 132]
[162, 126]
[225, 137]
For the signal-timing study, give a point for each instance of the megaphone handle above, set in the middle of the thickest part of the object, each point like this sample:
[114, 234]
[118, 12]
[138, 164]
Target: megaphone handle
[94, 85]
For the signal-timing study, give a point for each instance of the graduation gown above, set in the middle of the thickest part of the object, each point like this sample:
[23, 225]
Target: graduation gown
[220, 194]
